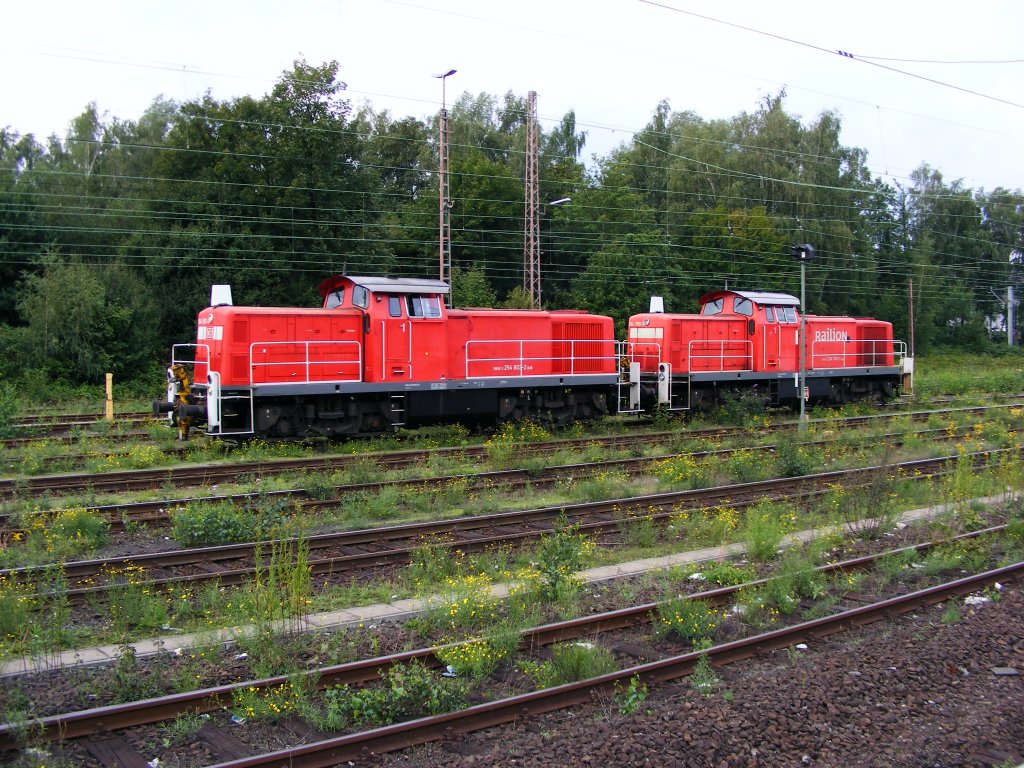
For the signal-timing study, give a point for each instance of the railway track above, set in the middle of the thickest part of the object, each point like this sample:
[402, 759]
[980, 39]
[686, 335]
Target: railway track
[329, 749]
[223, 472]
[157, 511]
[339, 555]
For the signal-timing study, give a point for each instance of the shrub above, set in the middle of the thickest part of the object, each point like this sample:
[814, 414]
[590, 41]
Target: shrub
[8, 410]
[408, 691]
[81, 525]
[763, 532]
[479, 657]
[794, 458]
[201, 523]
[691, 620]
[741, 408]
[270, 704]
[727, 575]
[571, 662]
[560, 555]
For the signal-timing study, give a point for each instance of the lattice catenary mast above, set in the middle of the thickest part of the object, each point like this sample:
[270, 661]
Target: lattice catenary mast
[445, 200]
[531, 244]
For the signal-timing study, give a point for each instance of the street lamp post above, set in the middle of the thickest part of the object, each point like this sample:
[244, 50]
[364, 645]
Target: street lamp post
[803, 253]
[552, 204]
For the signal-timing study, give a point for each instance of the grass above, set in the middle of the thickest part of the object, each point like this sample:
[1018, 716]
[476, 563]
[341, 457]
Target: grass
[762, 530]
[957, 373]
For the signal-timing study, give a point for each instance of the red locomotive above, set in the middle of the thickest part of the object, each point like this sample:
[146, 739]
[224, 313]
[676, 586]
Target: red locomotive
[749, 341]
[386, 352]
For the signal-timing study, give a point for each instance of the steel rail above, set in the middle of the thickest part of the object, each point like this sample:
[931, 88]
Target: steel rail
[222, 471]
[329, 752]
[527, 525]
[83, 723]
[118, 515]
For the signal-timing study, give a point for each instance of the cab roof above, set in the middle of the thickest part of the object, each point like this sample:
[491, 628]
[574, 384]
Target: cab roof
[761, 298]
[385, 284]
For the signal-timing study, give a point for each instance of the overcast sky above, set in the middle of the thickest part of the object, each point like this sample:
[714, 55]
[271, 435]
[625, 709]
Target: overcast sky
[612, 61]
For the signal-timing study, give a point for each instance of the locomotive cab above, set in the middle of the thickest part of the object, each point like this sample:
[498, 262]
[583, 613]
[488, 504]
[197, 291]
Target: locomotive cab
[405, 318]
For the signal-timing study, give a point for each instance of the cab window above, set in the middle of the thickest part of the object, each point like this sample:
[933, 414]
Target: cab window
[785, 314]
[743, 306]
[713, 307]
[423, 306]
[394, 306]
[335, 299]
[360, 296]
[769, 315]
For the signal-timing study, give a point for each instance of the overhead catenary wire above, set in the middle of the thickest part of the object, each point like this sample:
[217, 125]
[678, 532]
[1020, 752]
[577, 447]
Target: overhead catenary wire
[719, 171]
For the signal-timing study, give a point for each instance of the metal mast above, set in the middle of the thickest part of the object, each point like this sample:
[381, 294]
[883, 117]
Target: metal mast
[444, 194]
[531, 244]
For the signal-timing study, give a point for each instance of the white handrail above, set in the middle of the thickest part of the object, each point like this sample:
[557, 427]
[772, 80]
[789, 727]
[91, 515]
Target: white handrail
[517, 362]
[175, 360]
[864, 353]
[746, 358]
[305, 362]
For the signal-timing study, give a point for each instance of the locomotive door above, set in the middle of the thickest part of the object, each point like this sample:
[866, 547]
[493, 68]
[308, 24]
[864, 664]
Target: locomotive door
[397, 342]
[772, 343]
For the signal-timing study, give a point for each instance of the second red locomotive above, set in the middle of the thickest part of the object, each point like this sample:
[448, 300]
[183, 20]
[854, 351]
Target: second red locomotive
[749, 342]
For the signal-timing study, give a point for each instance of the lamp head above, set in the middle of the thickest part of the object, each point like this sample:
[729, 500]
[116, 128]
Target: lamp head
[803, 252]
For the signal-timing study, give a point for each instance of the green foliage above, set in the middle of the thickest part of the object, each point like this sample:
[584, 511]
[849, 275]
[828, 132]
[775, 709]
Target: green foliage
[1015, 530]
[800, 576]
[478, 657]
[407, 691]
[8, 409]
[689, 619]
[208, 523]
[131, 682]
[742, 408]
[704, 678]
[183, 727]
[59, 535]
[569, 663]
[763, 530]
[17, 607]
[629, 700]
[560, 554]
[467, 604]
[725, 574]
[504, 447]
[83, 526]
[794, 457]
[273, 703]
[107, 325]
[471, 289]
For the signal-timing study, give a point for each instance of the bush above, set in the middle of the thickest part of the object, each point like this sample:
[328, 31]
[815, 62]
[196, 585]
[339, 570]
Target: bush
[408, 691]
[691, 620]
[763, 533]
[571, 662]
[200, 524]
[8, 410]
[741, 407]
[561, 554]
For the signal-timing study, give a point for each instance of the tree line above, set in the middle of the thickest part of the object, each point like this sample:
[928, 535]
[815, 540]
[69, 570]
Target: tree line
[111, 236]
